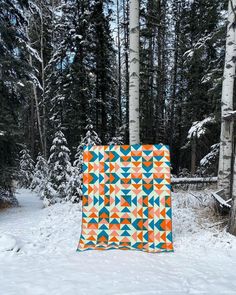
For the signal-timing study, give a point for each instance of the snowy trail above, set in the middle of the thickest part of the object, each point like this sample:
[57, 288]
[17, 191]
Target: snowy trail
[204, 261]
[19, 220]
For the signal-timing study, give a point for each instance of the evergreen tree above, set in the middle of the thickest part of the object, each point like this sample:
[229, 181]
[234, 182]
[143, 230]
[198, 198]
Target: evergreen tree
[7, 169]
[74, 190]
[40, 175]
[91, 138]
[14, 72]
[26, 168]
[60, 169]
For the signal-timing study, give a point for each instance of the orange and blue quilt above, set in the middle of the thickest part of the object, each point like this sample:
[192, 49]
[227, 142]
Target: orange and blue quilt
[126, 198]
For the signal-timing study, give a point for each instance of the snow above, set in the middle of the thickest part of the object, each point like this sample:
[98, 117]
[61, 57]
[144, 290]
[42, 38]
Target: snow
[8, 243]
[46, 261]
[198, 128]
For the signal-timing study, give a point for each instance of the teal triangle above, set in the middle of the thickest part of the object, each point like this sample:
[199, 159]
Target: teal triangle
[117, 200]
[92, 221]
[85, 167]
[106, 167]
[126, 174]
[103, 227]
[151, 224]
[147, 175]
[136, 146]
[125, 227]
[125, 169]
[157, 201]
[136, 158]
[145, 212]
[134, 201]
[114, 221]
[126, 209]
[147, 152]
[168, 212]
[125, 234]
[151, 201]
[146, 236]
[137, 180]
[125, 191]
[106, 189]
[169, 236]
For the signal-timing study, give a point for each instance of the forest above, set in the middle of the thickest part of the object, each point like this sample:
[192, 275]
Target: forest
[117, 117]
[64, 68]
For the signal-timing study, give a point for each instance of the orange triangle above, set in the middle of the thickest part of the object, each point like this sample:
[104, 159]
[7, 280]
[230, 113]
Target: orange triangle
[147, 185]
[137, 186]
[147, 163]
[163, 212]
[140, 236]
[114, 239]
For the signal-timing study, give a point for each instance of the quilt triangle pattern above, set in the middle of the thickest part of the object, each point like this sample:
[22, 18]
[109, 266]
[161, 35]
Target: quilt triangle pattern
[126, 198]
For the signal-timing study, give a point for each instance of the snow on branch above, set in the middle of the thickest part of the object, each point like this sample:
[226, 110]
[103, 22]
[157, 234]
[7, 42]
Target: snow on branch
[34, 53]
[199, 129]
[193, 180]
[230, 116]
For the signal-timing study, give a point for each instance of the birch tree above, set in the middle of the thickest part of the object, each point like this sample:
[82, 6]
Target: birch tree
[226, 139]
[134, 136]
[232, 219]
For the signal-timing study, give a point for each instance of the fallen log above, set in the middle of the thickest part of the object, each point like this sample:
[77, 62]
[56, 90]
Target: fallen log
[193, 180]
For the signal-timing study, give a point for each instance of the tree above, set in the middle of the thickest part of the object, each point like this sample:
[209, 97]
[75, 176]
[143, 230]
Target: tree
[7, 169]
[14, 73]
[75, 187]
[26, 168]
[40, 175]
[134, 132]
[91, 138]
[232, 218]
[227, 126]
[59, 169]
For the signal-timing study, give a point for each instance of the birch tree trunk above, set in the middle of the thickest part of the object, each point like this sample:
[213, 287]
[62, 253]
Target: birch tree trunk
[126, 61]
[193, 153]
[134, 134]
[119, 60]
[232, 219]
[226, 139]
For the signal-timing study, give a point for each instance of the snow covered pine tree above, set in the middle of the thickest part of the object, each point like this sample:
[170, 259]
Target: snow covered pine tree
[40, 175]
[60, 170]
[75, 186]
[26, 168]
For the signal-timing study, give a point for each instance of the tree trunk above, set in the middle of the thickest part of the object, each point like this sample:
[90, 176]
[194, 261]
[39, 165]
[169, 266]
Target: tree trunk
[35, 94]
[134, 134]
[126, 53]
[119, 62]
[226, 139]
[193, 154]
[232, 219]
[44, 138]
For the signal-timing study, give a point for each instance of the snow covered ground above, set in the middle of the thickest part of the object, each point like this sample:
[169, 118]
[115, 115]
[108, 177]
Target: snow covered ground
[38, 254]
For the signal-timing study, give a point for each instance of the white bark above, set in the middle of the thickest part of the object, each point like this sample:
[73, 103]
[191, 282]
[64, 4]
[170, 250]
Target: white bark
[226, 145]
[232, 219]
[134, 136]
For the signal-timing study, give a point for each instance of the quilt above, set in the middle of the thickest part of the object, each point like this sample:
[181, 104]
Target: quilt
[126, 198]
